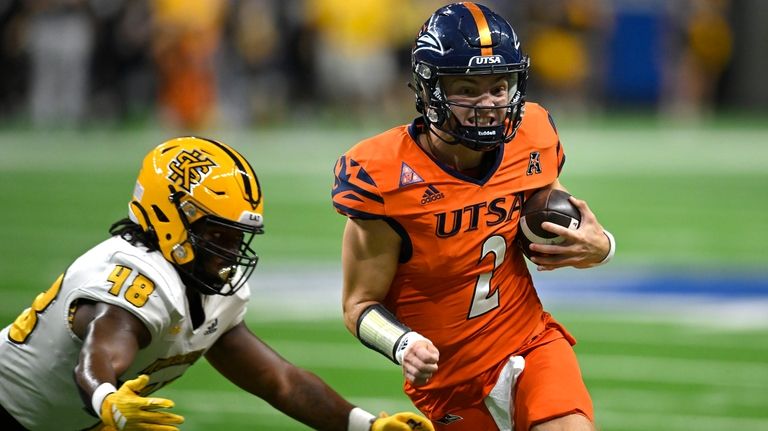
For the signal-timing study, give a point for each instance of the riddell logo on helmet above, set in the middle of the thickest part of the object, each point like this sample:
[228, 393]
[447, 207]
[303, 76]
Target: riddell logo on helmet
[490, 60]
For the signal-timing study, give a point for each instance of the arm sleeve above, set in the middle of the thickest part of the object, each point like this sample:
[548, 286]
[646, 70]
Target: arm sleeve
[355, 193]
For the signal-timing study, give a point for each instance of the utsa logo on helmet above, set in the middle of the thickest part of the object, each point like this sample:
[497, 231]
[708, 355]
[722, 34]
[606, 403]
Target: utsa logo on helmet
[483, 60]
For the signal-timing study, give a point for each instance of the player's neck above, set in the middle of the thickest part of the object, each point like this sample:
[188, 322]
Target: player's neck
[456, 156]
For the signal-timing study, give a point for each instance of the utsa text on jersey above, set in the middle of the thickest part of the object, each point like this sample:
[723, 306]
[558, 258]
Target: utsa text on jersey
[500, 210]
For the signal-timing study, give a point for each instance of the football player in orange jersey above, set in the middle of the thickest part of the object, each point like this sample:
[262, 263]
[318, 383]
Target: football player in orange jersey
[433, 278]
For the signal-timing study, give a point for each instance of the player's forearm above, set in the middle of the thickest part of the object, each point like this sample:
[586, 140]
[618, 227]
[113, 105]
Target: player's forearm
[96, 366]
[352, 310]
[104, 356]
[92, 370]
[312, 402]
[292, 390]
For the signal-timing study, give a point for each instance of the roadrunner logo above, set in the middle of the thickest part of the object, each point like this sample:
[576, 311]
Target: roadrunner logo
[429, 39]
[188, 170]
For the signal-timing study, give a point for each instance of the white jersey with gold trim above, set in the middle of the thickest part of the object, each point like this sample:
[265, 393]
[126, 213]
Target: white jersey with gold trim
[39, 351]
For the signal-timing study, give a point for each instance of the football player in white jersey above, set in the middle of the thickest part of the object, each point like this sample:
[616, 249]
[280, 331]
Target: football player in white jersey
[170, 286]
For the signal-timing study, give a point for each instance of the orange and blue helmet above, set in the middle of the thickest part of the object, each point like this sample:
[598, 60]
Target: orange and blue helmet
[463, 39]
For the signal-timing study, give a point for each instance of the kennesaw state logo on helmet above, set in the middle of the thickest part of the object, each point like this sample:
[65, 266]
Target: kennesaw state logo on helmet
[188, 170]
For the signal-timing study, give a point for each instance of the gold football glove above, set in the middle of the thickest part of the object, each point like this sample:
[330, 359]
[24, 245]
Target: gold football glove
[404, 421]
[126, 410]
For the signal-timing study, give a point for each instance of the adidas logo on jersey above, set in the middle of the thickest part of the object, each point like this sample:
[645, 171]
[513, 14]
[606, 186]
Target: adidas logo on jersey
[213, 327]
[431, 194]
[449, 418]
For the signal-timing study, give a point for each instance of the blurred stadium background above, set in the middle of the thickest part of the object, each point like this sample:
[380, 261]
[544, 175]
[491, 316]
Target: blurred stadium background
[662, 108]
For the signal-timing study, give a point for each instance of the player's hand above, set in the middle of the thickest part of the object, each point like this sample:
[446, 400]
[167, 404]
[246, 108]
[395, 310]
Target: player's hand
[420, 362]
[583, 248]
[404, 421]
[126, 410]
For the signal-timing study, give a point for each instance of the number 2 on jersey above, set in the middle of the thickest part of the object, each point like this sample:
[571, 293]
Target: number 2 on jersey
[137, 292]
[482, 300]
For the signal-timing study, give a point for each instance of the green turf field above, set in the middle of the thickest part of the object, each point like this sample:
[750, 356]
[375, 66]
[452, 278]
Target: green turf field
[678, 198]
[642, 375]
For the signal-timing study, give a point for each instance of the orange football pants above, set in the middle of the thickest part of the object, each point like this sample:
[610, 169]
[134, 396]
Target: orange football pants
[549, 387]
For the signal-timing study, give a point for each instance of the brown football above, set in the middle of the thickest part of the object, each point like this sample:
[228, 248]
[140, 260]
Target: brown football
[550, 205]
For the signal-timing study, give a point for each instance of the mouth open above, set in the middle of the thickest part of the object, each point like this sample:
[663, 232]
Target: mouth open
[482, 121]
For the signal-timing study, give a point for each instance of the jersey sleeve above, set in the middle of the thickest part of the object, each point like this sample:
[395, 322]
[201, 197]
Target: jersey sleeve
[355, 193]
[538, 146]
[559, 147]
[240, 306]
[134, 285]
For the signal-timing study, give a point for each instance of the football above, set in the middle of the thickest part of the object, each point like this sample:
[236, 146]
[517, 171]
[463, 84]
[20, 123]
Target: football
[546, 205]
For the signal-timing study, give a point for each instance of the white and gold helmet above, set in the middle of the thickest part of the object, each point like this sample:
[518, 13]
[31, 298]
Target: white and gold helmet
[202, 201]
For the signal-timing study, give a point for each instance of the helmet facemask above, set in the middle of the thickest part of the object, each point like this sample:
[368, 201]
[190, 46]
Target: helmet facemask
[223, 257]
[438, 109]
[476, 135]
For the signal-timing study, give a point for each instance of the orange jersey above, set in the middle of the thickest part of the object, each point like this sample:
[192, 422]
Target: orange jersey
[462, 282]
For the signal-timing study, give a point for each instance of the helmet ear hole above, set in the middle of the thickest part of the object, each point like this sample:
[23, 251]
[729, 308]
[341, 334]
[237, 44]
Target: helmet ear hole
[159, 214]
